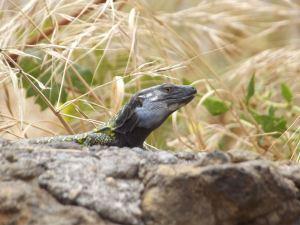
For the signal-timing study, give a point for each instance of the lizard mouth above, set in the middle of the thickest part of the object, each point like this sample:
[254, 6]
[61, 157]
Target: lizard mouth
[187, 99]
[183, 98]
[179, 102]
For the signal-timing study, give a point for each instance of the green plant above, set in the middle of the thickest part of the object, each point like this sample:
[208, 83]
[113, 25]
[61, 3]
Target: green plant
[81, 61]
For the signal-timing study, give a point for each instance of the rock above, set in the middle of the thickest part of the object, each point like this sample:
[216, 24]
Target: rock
[25, 203]
[3, 142]
[220, 194]
[213, 158]
[242, 156]
[65, 184]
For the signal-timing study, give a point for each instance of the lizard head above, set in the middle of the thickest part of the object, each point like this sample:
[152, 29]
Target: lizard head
[149, 108]
[158, 102]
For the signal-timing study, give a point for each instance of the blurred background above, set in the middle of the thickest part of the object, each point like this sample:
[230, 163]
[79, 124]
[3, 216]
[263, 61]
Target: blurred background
[69, 66]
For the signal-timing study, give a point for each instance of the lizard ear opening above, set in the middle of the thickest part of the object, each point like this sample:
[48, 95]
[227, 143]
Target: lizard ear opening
[127, 119]
[139, 101]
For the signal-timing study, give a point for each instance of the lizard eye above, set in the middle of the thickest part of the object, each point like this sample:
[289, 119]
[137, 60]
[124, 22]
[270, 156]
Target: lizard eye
[168, 89]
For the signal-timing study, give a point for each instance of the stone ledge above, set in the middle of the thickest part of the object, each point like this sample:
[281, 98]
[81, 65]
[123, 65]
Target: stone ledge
[67, 184]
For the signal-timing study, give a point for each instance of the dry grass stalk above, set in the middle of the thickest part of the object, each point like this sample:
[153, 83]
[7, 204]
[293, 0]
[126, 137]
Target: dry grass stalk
[216, 45]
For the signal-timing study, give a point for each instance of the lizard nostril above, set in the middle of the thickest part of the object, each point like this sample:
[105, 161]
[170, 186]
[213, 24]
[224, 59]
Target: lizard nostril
[193, 90]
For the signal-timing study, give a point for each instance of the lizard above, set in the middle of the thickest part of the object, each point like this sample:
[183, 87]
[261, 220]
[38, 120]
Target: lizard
[145, 111]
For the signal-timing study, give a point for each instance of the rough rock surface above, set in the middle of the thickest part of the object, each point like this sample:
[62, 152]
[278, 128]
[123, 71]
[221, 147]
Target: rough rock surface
[66, 184]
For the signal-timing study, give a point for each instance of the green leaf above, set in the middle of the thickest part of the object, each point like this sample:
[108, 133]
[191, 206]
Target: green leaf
[85, 73]
[51, 93]
[216, 106]
[272, 111]
[250, 89]
[286, 93]
[33, 67]
[271, 123]
[186, 81]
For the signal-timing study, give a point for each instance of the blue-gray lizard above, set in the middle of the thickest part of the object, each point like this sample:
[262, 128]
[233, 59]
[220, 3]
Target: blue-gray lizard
[145, 111]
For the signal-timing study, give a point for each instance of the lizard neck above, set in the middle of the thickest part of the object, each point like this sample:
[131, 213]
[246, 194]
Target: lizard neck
[134, 138]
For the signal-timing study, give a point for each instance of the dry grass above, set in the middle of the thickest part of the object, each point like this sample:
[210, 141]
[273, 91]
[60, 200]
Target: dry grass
[216, 46]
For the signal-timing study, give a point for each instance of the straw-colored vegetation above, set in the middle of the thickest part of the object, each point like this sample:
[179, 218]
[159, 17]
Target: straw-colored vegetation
[78, 61]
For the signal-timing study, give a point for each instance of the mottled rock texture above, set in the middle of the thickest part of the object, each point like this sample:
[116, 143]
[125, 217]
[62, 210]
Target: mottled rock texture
[66, 184]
